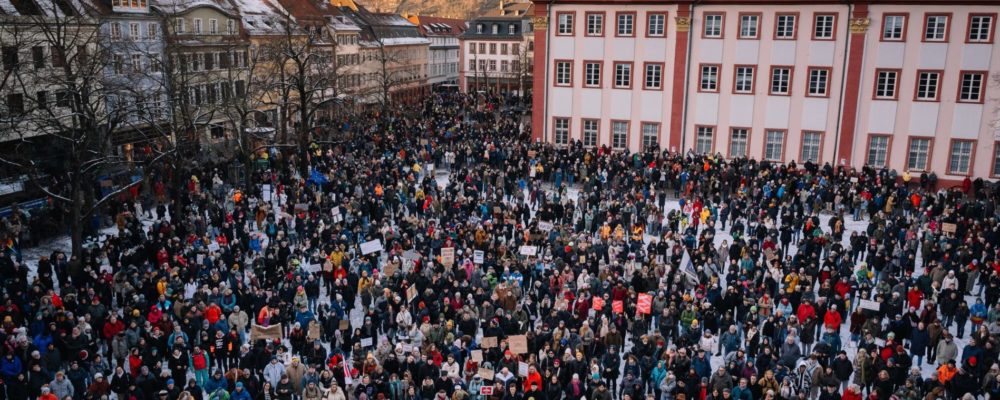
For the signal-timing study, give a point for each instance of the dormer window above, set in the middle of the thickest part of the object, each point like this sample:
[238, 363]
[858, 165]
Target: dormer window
[496, 29]
[479, 28]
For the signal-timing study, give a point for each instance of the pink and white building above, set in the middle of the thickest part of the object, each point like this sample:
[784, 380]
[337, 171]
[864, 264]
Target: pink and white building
[908, 84]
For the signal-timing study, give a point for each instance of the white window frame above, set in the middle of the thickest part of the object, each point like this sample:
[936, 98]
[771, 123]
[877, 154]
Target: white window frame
[564, 24]
[960, 157]
[886, 84]
[819, 82]
[590, 132]
[713, 26]
[564, 71]
[739, 140]
[560, 129]
[980, 28]
[743, 79]
[704, 139]
[878, 151]
[656, 24]
[709, 79]
[785, 26]
[936, 28]
[619, 135]
[625, 24]
[653, 77]
[774, 145]
[812, 145]
[970, 88]
[591, 74]
[824, 26]
[595, 24]
[650, 135]
[893, 28]
[781, 80]
[928, 85]
[623, 76]
[749, 26]
[918, 154]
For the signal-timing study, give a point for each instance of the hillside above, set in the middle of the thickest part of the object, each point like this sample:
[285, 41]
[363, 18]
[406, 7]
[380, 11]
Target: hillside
[463, 9]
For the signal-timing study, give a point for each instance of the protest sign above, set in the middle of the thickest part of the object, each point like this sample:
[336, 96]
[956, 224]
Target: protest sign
[259, 332]
[371, 247]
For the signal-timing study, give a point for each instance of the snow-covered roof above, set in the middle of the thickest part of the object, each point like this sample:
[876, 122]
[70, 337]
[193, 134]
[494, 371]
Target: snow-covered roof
[45, 8]
[263, 17]
[178, 6]
[402, 41]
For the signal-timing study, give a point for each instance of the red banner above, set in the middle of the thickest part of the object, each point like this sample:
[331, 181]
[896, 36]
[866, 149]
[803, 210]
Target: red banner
[618, 306]
[598, 303]
[645, 304]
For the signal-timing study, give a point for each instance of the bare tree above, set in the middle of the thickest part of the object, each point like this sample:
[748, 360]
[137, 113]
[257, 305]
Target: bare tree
[64, 146]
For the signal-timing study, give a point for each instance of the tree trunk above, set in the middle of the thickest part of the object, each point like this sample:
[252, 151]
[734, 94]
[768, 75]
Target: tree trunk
[77, 225]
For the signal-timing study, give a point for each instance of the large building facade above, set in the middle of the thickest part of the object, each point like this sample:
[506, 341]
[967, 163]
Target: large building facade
[905, 85]
[497, 51]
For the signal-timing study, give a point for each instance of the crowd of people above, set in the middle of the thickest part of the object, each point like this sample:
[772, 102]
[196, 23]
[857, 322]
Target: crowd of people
[448, 256]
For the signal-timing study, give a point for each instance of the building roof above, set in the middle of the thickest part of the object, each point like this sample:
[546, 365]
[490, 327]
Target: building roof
[42, 8]
[436, 26]
[180, 6]
[512, 10]
[264, 17]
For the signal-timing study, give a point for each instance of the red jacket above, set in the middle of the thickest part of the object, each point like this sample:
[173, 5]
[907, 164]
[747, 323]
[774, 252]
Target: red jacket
[805, 311]
[832, 320]
[850, 395]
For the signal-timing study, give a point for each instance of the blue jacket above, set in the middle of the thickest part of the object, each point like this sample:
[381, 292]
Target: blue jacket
[10, 367]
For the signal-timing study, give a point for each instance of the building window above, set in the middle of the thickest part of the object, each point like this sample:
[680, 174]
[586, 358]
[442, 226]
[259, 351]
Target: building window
[654, 76]
[152, 30]
[893, 28]
[744, 80]
[626, 24]
[213, 26]
[784, 27]
[650, 136]
[927, 85]
[823, 30]
[819, 82]
[503, 49]
[493, 65]
[996, 158]
[562, 131]
[781, 78]
[11, 60]
[619, 135]
[713, 26]
[564, 25]
[936, 28]
[496, 28]
[592, 74]
[38, 57]
[656, 24]
[811, 142]
[971, 89]
[479, 29]
[885, 84]
[15, 103]
[918, 154]
[595, 24]
[482, 48]
[118, 64]
[710, 78]
[981, 28]
[116, 31]
[197, 25]
[623, 75]
[133, 31]
[231, 27]
[493, 48]
[564, 70]
[878, 150]
[136, 63]
[749, 26]
[179, 25]
[703, 140]
[472, 48]
[738, 138]
[774, 145]
[961, 157]
[472, 65]
[512, 29]
[590, 129]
